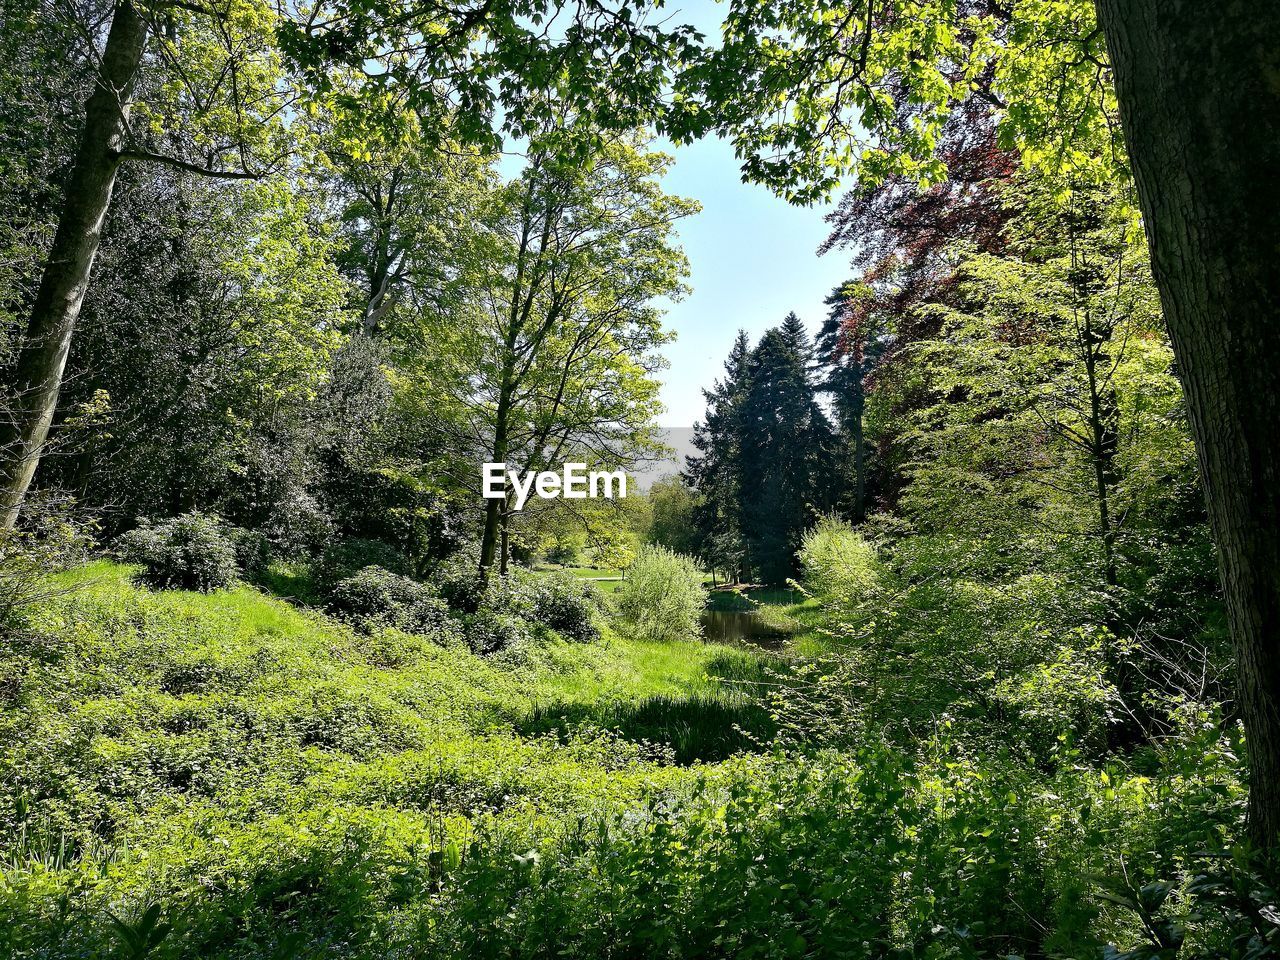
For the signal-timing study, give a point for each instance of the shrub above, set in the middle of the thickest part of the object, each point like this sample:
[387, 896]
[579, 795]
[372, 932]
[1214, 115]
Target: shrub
[49, 539]
[348, 557]
[375, 593]
[252, 549]
[376, 597]
[490, 631]
[838, 562]
[460, 582]
[662, 597]
[565, 553]
[298, 526]
[566, 605]
[190, 552]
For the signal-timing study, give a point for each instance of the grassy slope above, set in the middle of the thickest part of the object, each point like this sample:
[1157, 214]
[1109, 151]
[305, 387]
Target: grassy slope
[156, 728]
[279, 786]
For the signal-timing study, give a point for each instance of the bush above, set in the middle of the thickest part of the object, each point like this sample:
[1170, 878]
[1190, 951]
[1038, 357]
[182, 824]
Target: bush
[564, 553]
[375, 593]
[190, 552]
[49, 539]
[252, 549]
[838, 562]
[376, 597]
[566, 605]
[460, 582]
[662, 597]
[490, 631]
[347, 558]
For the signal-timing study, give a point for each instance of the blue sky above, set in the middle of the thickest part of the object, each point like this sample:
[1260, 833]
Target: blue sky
[753, 258]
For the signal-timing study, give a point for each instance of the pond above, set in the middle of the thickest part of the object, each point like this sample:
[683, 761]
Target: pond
[740, 626]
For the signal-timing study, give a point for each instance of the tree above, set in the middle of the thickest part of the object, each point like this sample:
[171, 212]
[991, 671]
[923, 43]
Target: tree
[405, 199]
[850, 345]
[1184, 74]
[200, 352]
[215, 100]
[192, 119]
[553, 357]
[783, 446]
[672, 525]
[1055, 418]
[904, 240]
[1204, 75]
[713, 472]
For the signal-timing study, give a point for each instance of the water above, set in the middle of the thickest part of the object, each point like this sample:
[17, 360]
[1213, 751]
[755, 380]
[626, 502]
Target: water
[740, 626]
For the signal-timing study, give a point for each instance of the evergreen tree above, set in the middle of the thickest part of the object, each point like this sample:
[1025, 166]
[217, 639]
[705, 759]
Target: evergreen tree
[849, 347]
[784, 451]
[716, 516]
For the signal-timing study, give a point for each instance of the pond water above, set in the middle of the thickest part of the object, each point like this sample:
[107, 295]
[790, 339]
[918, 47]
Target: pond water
[740, 626]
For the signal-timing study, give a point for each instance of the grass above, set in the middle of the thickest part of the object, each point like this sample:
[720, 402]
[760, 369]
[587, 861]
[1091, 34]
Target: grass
[694, 728]
[229, 776]
[163, 701]
[606, 580]
[587, 573]
[224, 735]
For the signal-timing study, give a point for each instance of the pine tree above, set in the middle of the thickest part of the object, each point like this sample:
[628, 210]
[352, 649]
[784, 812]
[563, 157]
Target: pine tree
[713, 472]
[850, 345]
[784, 458]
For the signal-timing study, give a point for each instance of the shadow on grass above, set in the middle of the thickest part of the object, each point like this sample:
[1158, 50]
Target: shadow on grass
[288, 581]
[699, 727]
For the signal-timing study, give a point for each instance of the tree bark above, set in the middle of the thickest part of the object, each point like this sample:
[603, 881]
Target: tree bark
[1104, 434]
[1199, 91]
[37, 372]
[495, 509]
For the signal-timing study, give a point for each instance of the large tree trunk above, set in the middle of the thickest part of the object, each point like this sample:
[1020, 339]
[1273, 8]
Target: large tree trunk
[1199, 91]
[37, 373]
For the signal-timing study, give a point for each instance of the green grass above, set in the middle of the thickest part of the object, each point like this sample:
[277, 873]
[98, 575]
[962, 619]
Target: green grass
[265, 783]
[587, 573]
[604, 579]
[164, 702]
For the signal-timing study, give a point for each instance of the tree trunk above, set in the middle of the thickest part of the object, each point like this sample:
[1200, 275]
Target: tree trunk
[1104, 435]
[37, 372]
[859, 455]
[495, 509]
[1199, 91]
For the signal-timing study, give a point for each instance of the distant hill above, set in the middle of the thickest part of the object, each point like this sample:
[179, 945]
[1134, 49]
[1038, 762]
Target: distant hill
[680, 439]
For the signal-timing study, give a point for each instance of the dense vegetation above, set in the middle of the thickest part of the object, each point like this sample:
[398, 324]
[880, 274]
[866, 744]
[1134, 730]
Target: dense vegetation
[277, 681]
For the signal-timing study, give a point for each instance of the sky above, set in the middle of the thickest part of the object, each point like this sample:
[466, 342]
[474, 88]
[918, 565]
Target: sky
[753, 259]
[752, 256]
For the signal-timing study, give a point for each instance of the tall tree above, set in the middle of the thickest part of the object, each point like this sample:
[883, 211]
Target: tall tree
[553, 357]
[1053, 405]
[713, 471]
[1195, 91]
[1200, 107]
[851, 343]
[213, 94]
[215, 98]
[784, 443]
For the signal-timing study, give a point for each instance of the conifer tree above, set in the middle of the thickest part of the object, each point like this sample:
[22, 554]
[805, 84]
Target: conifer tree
[713, 473]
